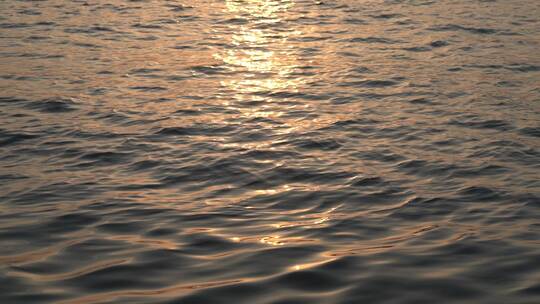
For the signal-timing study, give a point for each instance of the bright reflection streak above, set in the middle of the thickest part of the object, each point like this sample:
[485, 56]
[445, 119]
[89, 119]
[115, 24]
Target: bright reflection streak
[262, 54]
[273, 240]
[298, 267]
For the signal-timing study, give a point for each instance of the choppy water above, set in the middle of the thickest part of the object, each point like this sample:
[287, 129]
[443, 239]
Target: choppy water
[266, 151]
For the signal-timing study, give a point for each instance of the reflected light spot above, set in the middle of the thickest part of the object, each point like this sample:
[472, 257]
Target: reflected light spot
[272, 240]
[298, 267]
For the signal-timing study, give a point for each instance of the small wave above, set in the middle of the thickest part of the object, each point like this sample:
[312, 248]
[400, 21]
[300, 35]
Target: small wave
[53, 105]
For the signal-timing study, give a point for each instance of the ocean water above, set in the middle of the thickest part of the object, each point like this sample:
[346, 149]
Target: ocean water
[270, 151]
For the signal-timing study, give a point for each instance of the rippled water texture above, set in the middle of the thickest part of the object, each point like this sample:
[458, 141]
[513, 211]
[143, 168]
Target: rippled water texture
[270, 152]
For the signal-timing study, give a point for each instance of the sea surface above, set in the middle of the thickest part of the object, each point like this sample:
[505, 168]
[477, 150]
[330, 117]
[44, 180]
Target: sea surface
[270, 151]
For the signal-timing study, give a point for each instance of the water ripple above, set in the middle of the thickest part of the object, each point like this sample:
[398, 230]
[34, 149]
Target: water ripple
[278, 151]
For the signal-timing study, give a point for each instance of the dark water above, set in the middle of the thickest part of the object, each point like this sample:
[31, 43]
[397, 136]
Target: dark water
[221, 151]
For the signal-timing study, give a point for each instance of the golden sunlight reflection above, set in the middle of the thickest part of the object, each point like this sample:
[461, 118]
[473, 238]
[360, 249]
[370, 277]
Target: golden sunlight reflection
[262, 57]
[259, 8]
